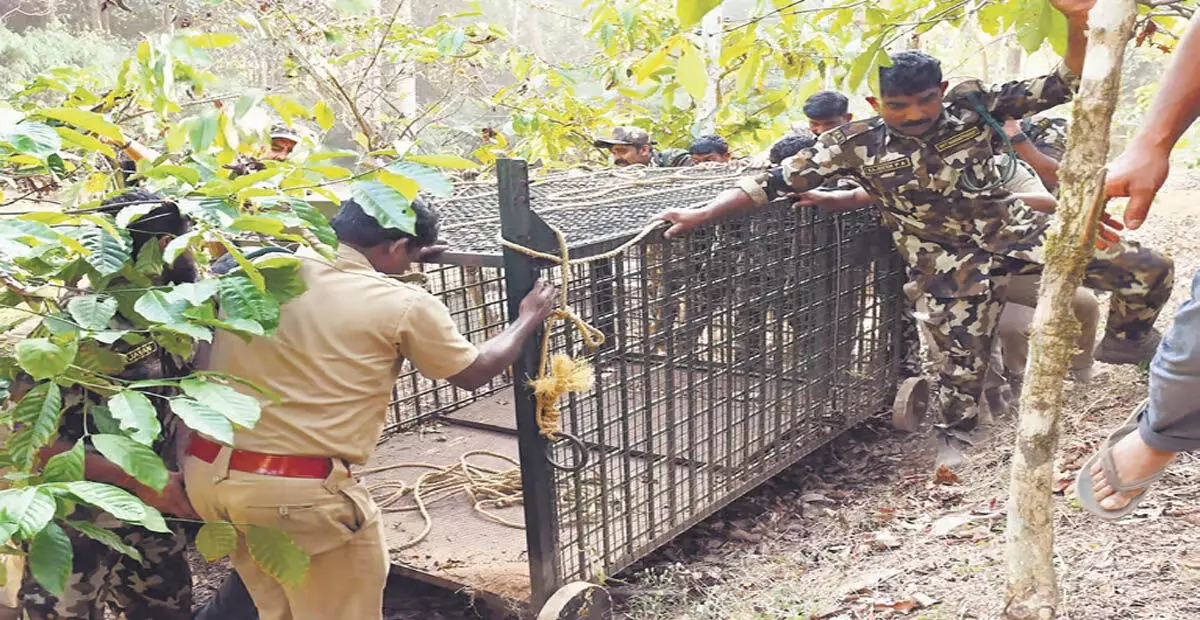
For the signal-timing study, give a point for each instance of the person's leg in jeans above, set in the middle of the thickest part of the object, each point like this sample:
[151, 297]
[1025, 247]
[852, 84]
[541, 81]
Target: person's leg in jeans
[1171, 423]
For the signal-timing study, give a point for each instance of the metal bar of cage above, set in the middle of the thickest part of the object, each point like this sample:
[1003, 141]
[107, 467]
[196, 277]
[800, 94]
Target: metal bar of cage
[731, 353]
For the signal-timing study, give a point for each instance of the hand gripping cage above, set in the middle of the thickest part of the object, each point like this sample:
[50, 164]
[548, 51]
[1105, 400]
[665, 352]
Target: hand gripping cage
[728, 355]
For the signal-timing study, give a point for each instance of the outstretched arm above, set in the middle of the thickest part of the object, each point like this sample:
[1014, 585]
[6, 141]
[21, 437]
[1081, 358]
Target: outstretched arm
[1142, 169]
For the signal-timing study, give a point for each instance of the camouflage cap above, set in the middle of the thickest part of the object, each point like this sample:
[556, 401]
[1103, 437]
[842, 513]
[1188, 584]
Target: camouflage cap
[284, 133]
[624, 135]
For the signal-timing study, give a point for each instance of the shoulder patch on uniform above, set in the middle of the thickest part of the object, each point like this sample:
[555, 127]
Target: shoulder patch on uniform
[849, 130]
[958, 139]
[902, 163]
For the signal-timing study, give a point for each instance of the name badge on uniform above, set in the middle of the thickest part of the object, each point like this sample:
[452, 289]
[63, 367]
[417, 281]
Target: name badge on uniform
[902, 163]
[958, 140]
[140, 352]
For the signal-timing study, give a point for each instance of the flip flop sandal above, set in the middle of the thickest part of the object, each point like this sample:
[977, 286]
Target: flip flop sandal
[1085, 479]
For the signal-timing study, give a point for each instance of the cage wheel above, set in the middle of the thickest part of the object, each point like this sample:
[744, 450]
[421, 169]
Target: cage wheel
[578, 600]
[912, 401]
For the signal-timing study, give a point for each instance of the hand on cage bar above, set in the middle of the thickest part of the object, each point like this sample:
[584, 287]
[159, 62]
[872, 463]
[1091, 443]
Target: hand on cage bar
[539, 303]
[681, 220]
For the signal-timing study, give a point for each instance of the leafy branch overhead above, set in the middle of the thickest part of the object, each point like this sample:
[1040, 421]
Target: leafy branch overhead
[80, 303]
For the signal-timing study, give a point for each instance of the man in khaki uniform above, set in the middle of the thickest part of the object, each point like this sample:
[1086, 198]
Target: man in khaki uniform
[332, 362]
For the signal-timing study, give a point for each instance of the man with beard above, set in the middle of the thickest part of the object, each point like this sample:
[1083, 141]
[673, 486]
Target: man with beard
[160, 587]
[632, 146]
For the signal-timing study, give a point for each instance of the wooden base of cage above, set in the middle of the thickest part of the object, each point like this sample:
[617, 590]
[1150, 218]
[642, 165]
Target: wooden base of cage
[912, 402]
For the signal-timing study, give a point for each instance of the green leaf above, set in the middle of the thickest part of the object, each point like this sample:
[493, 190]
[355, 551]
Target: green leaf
[85, 120]
[149, 260]
[194, 293]
[156, 306]
[188, 175]
[50, 559]
[195, 332]
[690, 72]
[217, 212]
[136, 415]
[747, 74]
[179, 245]
[389, 207]
[454, 162]
[105, 537]
[33, 138]
[29, 508]
[136, 459]
[284, 282]
[86, 142]
[241, 299]
[241, 409]
[42, 358]
[216, 540]
[203, 132]
[114, 500]
[324, 115]
[330, 172]
[38, 412]
[317, 222]
[106, 254]
[93, 312]
[690, 12]
[102, 360]
[203, 419]
[213, 40]
[276, 554]
[247, 180]
[429, 180]
[65, 466]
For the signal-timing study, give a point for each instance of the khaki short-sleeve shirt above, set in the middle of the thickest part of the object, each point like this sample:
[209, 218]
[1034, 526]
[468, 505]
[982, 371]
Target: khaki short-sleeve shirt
[335, 356]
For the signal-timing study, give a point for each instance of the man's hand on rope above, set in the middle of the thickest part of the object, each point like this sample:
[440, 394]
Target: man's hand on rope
[539, 303]
[681, 220]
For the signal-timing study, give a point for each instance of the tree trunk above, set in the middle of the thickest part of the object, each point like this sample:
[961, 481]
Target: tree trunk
[1015, 56]
[95, 17]
[711, 28]
[1032, 590]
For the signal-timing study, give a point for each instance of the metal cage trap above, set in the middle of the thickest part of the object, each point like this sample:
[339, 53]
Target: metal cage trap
[730, 354]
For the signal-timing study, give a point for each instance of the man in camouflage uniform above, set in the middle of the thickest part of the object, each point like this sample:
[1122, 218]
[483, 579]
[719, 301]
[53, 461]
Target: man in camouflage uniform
[928, 159]
[159, 588]
[632, 146]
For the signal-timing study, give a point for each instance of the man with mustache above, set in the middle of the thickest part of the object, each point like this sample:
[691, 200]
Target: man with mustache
[928, 160]
[632, 146]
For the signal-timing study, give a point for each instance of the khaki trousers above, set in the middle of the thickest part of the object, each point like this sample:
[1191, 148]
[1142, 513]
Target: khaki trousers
[333, 520]
[1014, 327]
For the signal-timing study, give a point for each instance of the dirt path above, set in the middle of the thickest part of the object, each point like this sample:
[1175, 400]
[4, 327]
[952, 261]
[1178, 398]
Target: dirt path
[862, 529]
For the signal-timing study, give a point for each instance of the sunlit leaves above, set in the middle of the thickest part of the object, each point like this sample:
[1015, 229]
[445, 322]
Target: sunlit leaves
[43, 358]
[38, 413]
[85, 120]
[384, 203]
[690, 12]
[216, 540]
[204, 419]
[241, 409]
[33, 138]
[276, 554]
[138, 460]
[136, 416]
[93, 312]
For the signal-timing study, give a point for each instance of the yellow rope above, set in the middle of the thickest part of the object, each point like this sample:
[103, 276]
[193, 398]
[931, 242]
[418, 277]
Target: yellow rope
[485, 487]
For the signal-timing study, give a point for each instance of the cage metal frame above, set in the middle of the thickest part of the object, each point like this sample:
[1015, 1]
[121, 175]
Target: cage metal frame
[857, 267]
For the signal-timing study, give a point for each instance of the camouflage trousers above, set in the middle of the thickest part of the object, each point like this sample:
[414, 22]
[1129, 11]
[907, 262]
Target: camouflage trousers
[962, 328]
[159, 588]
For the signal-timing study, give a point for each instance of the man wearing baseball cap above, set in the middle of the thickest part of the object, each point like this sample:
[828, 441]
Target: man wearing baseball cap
[631, 145]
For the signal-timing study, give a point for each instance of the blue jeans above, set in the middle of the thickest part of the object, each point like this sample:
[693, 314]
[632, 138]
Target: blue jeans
[1172, 422]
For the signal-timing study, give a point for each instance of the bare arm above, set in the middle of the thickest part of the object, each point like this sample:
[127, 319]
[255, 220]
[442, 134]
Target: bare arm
[1044, 165]
[1143, 168]
[1076, 12]
[1038, 201]
[835, 200]
[726, 203]
[500, 352]
[171, 500]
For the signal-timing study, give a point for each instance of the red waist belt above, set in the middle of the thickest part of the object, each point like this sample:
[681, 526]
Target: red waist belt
[263, 464]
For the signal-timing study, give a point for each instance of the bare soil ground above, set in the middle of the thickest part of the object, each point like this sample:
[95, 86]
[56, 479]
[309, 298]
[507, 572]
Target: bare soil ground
[865, 529]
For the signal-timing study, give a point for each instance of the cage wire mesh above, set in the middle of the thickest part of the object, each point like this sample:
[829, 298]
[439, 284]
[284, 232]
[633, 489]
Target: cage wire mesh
[730, 352]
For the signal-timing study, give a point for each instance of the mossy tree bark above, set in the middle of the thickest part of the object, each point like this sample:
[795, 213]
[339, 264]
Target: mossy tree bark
[1032, 588]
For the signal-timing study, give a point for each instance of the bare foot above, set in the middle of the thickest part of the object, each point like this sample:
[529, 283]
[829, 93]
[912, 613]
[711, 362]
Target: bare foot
[1134, 460]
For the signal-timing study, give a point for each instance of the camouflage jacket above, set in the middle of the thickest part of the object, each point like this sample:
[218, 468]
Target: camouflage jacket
[1049, 135]
[950, 236]
[670, 158]
[135, 357]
